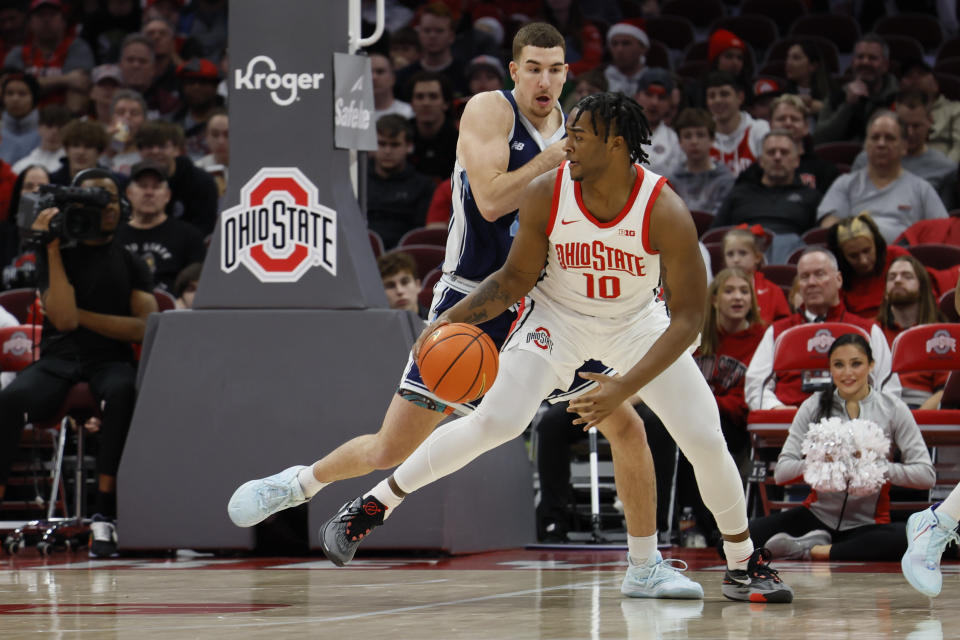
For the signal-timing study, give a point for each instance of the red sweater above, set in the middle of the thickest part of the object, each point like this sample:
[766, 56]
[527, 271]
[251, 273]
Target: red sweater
[789, 387]
[938, 231]
[726, 369]
[773, 304]
[865, 294]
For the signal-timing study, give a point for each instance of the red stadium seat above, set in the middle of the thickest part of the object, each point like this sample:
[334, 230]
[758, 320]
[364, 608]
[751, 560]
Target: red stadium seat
[427, 257]
[702, 13]
[816, 236]
[675, 32]
[715, 249]
[19, 346]
[949, 49]
[697, 52]
[947, 306]
[376, 243]
[903, 48]
[949, 84]
[165, 301]
[780, 274]
[925, 28]
[18, 301]
[782, 12]
[426, 288]
[435, 236]
[658, 55]
[842, 30]
[838, 152]
[936, 256]
[800, 348]
[948, 65]
[703, 220]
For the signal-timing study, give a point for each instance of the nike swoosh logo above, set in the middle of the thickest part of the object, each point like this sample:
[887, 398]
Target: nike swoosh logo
[568, 221]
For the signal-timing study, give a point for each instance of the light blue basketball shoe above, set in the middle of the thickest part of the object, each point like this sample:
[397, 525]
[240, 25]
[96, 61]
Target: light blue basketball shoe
[659, 578]
[255, 501]
[928, 534]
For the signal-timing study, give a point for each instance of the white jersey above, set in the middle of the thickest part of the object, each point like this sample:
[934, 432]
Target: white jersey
[602, 269]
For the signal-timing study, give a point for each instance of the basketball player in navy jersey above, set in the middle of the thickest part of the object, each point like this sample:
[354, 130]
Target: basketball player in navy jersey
[506, 140]
[596, 239]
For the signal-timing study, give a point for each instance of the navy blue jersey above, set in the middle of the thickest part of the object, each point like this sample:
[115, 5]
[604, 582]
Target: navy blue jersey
[476, 247]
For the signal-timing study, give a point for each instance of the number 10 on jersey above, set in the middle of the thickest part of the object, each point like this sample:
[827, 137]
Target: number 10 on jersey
[606, 286]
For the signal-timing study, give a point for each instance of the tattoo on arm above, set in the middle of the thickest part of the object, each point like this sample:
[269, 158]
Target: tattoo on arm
[489, 292]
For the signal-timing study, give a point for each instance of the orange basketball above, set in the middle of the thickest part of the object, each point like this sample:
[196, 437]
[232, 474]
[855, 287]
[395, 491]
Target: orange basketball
[458, 362]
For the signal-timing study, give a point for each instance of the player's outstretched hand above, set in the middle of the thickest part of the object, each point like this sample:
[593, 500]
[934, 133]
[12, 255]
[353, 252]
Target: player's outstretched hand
[599, 403]
[439, 322]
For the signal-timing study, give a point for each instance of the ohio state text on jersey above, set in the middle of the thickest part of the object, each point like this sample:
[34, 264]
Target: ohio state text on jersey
[602, 269]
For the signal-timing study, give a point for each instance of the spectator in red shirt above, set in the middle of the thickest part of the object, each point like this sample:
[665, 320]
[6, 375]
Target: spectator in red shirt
[743, 250]
[937, 231]
[909, 301]
[864, 257]
[733, 327]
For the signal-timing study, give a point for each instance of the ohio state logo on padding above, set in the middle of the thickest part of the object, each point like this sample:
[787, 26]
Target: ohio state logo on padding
[279, 230]
[941, 343]
[821, 341]
[18, 344]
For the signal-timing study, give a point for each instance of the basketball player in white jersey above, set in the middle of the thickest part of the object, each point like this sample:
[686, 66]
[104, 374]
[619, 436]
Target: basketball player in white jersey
[609, 233]
[506, 140]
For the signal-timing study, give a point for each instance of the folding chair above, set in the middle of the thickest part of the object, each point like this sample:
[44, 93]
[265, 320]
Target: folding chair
[800, 348]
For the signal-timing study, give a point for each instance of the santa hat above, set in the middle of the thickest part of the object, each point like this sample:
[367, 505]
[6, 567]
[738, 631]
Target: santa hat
[634, 27]
[721, 40]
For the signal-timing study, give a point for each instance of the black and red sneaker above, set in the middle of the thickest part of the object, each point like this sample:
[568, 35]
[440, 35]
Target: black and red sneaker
[341, 535]
[759, 583]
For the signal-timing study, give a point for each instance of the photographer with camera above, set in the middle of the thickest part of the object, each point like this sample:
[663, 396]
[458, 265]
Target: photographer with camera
[96, 298]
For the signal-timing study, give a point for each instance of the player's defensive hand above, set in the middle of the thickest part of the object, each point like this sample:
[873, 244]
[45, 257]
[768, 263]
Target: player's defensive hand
[439, 322]
[599, 403]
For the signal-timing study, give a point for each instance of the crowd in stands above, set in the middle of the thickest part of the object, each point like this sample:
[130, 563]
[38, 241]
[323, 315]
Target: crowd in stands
[834, 157]
[771, 139]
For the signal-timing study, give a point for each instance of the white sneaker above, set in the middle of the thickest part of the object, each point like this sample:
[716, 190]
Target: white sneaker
[659, 578]
[255, 501]
[928, 534]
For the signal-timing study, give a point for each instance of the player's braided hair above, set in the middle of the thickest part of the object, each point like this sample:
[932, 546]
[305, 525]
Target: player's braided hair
[621, 114]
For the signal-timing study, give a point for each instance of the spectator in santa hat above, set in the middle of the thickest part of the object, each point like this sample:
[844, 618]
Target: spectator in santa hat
[627, 42]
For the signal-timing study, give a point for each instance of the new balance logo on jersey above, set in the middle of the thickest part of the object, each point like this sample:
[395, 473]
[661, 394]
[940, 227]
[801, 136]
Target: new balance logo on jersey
[599, 257]
[516, 145]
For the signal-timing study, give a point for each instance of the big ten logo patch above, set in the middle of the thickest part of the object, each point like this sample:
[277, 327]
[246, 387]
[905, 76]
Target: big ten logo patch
[541, 338]
[942, 343]
[279, 231]
[821, 341]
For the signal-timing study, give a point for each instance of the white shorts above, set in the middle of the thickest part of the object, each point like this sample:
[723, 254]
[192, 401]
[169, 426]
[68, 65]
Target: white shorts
[567, 339]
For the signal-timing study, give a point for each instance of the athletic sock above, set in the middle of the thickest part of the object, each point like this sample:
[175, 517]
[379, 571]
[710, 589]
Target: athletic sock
[641, 548]
[738, 553]
[106, 505]
[951, 505]
[309, 483]
[386, 496]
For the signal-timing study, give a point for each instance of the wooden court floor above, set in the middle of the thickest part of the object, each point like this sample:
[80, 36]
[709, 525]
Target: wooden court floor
[554, 594]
